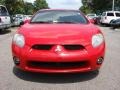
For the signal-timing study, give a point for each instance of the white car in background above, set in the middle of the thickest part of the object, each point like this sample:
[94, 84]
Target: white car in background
[18, 18]
[108, 16]
[27, 17]
[91, 16]
[5, 20]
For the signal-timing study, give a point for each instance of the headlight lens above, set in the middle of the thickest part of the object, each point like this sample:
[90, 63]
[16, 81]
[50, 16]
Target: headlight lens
[97, 40]
[19, 40]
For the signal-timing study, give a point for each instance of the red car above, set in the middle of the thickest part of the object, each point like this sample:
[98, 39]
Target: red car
[58, 41]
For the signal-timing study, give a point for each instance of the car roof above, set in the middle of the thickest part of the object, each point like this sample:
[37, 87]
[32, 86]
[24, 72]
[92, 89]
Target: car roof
[2, 5]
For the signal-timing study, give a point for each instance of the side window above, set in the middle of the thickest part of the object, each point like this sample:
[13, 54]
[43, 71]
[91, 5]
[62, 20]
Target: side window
[110, 14]
[117, 14]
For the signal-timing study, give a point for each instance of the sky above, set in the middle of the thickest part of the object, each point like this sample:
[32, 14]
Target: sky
[63, 4]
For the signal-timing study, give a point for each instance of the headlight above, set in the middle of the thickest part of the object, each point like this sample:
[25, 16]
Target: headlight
[97, 40]
[19, 40]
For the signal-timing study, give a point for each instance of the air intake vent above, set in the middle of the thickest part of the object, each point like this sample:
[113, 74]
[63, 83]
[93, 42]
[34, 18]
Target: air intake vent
[42, 47]
[73, 47]
[59, 65]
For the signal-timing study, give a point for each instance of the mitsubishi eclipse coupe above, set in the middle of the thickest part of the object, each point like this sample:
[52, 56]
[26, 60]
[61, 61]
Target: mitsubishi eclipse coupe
[58, 41]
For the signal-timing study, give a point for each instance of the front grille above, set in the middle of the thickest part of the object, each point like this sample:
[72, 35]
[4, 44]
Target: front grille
[42, 47]
[57, 65]
[49, 47]
[73, 47]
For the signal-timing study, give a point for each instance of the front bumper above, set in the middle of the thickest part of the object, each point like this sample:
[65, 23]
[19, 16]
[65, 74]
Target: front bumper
[89, 56]
[3, 26]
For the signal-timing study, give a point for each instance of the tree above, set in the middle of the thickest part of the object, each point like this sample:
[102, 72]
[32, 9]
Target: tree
[117, 5]
[21, 7]
[40, 4]
[86, 6]
[98, 6]
[2, 2]
[14, 6]
[28, 8]
[101, 5]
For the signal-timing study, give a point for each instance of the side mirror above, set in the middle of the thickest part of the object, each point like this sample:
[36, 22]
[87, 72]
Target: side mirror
[24, 22]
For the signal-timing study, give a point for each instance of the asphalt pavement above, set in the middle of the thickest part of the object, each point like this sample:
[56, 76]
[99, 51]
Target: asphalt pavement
[107, 79]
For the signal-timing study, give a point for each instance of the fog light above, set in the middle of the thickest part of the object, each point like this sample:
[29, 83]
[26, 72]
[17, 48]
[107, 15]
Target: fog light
[100, 61]
[16, 60]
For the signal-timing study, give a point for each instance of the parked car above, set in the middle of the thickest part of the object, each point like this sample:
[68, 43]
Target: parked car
[27, 17]
[97, 19]
[115, 23]
[5, 21]
[93, 17]
[108, 16]
[18, 18]
[58, 41]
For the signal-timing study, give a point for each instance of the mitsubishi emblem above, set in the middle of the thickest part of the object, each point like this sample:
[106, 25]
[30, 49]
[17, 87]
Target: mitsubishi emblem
[58, 48]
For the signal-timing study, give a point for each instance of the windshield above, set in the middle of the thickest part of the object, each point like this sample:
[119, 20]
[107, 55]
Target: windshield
[3, 11]
[56, 16]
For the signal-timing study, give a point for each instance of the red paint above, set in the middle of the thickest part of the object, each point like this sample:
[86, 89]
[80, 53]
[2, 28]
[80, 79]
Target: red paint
[58, 35]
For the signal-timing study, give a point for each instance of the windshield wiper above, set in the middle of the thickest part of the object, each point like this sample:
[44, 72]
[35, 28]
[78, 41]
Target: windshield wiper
[67, 22]
[42, 22]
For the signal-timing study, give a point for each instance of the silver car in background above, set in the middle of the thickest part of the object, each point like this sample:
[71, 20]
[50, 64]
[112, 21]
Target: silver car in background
[5, 20]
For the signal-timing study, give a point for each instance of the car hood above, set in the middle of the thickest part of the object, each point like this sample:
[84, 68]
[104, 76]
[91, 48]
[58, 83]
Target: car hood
[58, 33]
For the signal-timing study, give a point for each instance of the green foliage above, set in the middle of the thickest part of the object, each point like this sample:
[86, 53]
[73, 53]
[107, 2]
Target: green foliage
[86, 10]
[40, 4]
[21, 7]
[101, 5]
[86, 7]
[2, 2]
[15, 6]
[98, 6]
[28, 8]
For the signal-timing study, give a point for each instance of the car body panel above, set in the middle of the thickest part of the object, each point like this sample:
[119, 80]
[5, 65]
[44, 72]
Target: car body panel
[58, 35]
[5, 20]
[73, 34]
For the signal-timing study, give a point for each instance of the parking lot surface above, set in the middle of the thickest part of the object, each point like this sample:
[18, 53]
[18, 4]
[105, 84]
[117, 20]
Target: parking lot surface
[107, 79]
